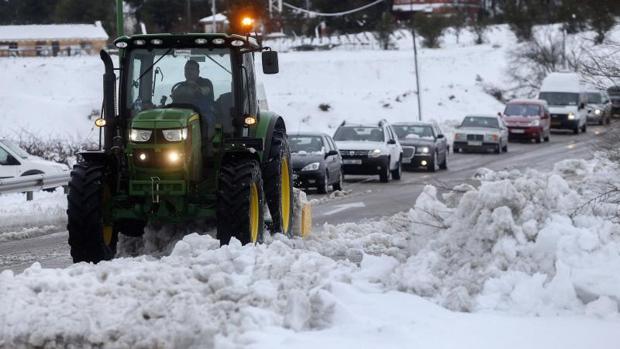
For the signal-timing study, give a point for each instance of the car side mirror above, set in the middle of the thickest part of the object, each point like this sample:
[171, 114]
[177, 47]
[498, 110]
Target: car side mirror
[582, 105]
[331, 153]
[440, 136]
[392, 141]
[270, 62]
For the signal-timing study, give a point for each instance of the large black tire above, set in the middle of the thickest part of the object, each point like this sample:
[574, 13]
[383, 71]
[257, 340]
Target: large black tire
[89, 240]
[240, 202]
[278, 181]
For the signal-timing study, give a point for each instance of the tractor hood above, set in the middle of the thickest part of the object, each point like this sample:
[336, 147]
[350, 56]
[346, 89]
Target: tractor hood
[167, 118]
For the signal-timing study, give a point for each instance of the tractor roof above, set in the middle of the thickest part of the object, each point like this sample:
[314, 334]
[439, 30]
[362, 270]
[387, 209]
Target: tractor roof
[184, 40]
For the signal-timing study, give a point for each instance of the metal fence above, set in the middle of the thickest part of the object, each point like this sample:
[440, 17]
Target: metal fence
[30, 184]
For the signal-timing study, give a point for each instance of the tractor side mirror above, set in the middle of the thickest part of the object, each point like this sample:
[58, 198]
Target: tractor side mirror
[270, 62]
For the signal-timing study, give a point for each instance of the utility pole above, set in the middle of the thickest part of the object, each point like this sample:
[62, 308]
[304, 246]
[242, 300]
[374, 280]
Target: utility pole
[274, 5]
[417, 74]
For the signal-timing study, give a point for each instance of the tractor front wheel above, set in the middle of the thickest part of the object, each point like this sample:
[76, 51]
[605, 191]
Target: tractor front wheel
[90, 239]
[240, 202]
[277, 174]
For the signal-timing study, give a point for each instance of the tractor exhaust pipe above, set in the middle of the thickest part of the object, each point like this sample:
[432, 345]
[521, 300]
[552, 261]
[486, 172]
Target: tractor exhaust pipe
[109, 103]
[120, 21]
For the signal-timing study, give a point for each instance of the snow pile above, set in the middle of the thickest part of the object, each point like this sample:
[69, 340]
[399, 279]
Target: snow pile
[527, 243]
[23, 219]
[199, 296]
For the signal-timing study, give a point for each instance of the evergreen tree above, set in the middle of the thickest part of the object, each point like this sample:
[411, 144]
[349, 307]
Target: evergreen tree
[384, 30]
[430, 27]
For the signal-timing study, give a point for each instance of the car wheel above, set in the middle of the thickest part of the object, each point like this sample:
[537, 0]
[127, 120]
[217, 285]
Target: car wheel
[539, 139]
[444, 163]
[396, 174]
[576, 130]
[432, 165]
[584, 128]
[384, 176]
[338, 185]
[323, 187]
[505, 148]
[548, 136]
[608, 120]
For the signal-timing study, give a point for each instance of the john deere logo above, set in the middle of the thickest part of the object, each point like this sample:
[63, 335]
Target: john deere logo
[352, 152]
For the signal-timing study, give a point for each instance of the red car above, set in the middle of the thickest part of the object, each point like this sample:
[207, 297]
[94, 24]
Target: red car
[528, 119]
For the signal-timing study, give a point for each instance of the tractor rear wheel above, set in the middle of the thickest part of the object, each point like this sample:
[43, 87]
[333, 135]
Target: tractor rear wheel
[240, 202]
[278, 179]
[90, 239]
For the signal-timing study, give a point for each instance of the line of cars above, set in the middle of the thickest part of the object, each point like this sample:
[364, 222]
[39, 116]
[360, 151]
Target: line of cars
[381, 149]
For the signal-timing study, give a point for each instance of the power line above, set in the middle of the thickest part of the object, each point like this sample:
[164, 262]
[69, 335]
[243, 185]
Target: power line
[334, 14]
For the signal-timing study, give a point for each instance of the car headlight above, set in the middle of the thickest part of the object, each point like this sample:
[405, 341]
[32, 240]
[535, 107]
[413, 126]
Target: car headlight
[424, 150]
[140, 136]
[175, 135]
[535, 122]
[493, 136]
[597, 112]
[459, 136]
[571, 116]
[375, 153]
[311, 167]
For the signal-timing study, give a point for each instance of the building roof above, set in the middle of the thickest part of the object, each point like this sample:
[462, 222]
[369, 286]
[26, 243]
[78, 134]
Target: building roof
[52, 32]
[218, 18]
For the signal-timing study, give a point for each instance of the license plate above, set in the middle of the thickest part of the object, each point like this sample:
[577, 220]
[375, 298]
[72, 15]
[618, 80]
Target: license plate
[352, 161]
[474, 143]
[517, 131]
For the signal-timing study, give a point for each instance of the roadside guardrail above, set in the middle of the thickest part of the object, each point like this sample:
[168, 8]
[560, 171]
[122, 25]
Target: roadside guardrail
[32, 183]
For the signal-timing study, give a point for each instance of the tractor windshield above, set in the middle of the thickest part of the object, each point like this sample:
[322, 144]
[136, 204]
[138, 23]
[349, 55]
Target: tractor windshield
[198, 78]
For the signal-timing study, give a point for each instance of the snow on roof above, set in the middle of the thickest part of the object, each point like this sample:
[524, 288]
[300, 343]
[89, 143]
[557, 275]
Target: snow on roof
[218, 18]
[52, 32]
[562, 82]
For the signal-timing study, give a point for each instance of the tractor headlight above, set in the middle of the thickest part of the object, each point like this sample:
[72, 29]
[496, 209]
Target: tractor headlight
[571, 116]
[597, 112]
[175, 135]
[174, 157]
[311, 167]
[140, 136]
[375, 153]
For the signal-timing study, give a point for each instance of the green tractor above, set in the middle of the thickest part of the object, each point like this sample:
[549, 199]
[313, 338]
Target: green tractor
[183, 141]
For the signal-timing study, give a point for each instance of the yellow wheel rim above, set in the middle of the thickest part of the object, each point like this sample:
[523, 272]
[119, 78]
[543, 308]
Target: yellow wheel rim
[107, 229]
[286, 196]
[107, 235]
[254, 213]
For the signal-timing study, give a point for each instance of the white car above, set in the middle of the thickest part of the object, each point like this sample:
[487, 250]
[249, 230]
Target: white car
[370, 149]
[481, 133]
[15, 162]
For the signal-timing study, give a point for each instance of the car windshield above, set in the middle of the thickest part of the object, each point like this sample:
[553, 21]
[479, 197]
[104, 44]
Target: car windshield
[560, 98]
[353, 133]
[15, 149]
[594, 98]
[413, 131]
[515, 109]
[196, 76]
[306, 144]
[480, 121]
[614, 91]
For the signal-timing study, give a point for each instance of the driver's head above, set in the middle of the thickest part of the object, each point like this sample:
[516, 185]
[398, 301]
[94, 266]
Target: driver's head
[192, 70]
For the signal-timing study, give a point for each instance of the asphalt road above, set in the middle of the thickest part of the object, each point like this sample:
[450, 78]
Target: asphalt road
[368, 198]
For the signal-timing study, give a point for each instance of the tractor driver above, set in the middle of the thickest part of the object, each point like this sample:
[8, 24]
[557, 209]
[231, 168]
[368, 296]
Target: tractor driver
[194, 90]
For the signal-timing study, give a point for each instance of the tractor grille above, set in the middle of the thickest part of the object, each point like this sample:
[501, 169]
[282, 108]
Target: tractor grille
[479, 138]
[408, 152]
[154, 159]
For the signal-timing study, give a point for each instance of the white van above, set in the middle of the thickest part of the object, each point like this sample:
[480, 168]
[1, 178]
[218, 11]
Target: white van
[566, 97]
[15, 162]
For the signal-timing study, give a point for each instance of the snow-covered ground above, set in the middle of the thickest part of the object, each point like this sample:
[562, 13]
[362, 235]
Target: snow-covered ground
[22, 219]
[523, 258]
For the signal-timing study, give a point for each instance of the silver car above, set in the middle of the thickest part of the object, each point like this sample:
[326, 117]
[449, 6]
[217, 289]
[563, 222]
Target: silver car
[481, 133]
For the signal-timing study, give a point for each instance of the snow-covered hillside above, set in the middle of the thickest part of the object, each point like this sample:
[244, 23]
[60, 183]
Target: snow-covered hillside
[522, 244]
